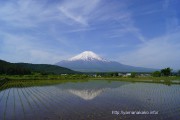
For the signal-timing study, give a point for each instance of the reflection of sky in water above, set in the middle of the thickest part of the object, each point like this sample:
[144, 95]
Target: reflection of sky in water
[89, 90]
[90, 100]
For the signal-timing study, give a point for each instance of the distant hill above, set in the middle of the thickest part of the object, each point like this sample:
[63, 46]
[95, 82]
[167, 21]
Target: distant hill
[46, 68]
[88, 61]
[12, 69]
[27, 68]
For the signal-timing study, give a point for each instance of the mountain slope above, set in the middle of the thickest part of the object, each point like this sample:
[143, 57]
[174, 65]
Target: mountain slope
[91, 62]
[26, 68]
[46, 68]
[12, 69]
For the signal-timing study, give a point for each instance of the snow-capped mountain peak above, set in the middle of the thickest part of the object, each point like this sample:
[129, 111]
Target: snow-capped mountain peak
[88, 61]
[87, 56]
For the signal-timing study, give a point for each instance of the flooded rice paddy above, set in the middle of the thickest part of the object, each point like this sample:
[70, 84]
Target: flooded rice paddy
[91, 100]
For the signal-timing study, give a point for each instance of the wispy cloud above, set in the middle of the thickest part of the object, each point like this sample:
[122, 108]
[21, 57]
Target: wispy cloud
[166, 4]
[26, 48]
[157, 53]
[80, 30]
[25, 30]
[48, 31]
[79, 10]
[19, 13]
[127, 27]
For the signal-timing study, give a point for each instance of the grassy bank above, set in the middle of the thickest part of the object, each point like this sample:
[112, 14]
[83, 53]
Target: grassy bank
[43, 77]
[30, 83]
[8, 81]
[80, 76]
[140, 78]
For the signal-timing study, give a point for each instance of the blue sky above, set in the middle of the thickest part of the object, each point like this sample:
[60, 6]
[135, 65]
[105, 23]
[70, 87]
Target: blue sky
[135, 32]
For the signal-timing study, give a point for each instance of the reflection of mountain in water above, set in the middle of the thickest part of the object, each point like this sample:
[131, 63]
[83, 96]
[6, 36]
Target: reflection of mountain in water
[87, 94]
[91, 89]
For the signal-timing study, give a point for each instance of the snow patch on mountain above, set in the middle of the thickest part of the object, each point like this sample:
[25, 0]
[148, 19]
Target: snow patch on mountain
[87, 56]
[88, 61]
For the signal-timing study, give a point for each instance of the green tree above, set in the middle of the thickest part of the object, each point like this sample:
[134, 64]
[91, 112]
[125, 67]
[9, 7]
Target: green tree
[156, 74]
[133, 74]
[178, 73]
[115, 74]
[166, 71]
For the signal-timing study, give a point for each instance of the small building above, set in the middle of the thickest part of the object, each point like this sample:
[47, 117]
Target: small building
[127, 74]
[63, 74]
[145, 75]
[120, 74]
[94, 75]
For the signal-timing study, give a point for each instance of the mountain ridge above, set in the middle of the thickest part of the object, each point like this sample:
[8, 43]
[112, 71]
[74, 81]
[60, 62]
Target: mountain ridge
[88, 61]
[27, 68]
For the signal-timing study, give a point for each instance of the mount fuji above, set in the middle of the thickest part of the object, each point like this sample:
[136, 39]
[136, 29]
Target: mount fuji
[89, 61]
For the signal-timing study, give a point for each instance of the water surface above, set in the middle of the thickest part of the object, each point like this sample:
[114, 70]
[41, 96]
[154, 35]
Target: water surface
[93, 100]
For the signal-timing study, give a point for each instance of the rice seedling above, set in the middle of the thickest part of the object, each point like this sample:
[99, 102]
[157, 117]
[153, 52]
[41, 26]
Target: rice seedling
[38, 98]
[22, 105]
[26, 100]
[14, 106]
[6, 104]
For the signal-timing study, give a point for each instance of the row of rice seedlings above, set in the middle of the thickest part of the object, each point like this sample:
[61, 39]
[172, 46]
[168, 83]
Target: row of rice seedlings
[44, 97]
[21, 104]
[167, 101]
[10, 105]
[27, 104]
[3, 88]
[38, 98]
[134, 104]
[6, 101]
[14, 106]
[10, 100]
[2, 103]
[41, 90]
[85, 108]
[65, 108]
[151, 104]
[34, 103]
[60, 97]
[96, 109]
[59, 102]
[48, 93]
[79, 110]
[17, 107]
[62, 101]
[54, 105]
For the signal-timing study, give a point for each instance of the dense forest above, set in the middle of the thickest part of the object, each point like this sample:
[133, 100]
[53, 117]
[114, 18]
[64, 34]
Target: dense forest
[26, 68]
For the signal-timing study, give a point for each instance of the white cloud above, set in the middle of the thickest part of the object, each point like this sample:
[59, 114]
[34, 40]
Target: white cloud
[42, 56]
[28, 13]
[127, 27]
[166, 4]
[19, 13]
[80, 30]
[157, 53]
[26, 48]
[79, 10]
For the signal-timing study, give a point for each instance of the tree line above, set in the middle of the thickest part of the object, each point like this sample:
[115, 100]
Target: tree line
[12, 69]
[8, 68]
[163, 72]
